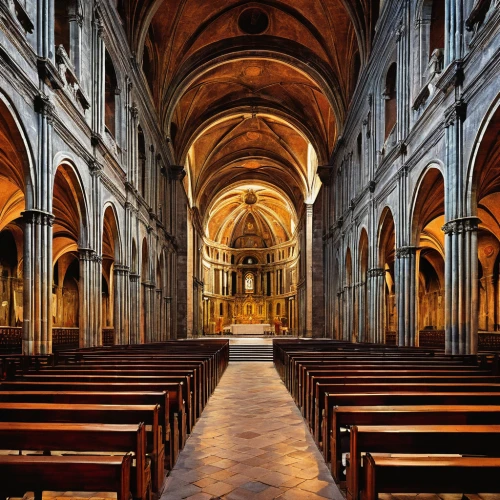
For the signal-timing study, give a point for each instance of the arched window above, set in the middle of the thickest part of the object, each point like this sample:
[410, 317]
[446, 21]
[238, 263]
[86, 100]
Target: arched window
[436, 35]
[110, 92]
[390, 100]
[141, 145]
[68, 15]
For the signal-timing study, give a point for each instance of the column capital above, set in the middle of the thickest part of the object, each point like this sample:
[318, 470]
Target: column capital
[134, 277]
[456, 112]
[460, 225]
[376, 271]
[44, 107]
[120, 269]
[325, 173]
[38, 217]
[405, 251]
[86, 254]
[176, 172]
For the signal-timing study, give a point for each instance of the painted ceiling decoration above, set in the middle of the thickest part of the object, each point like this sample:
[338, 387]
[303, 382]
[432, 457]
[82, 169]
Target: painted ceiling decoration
[250, 94]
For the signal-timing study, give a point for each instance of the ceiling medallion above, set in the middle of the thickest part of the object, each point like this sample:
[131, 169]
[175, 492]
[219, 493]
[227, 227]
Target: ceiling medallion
[250, 197]
[253, 71]
[253, 21]
[252, 164]
[253, 136]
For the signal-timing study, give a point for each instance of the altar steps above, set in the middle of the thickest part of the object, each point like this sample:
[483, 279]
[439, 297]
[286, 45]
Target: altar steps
[251, 352]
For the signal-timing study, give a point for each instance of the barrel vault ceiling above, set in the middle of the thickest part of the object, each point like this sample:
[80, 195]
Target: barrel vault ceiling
[251, 95]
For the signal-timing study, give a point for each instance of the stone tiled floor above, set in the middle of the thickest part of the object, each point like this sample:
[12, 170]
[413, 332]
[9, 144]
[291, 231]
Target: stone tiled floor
[250, 443]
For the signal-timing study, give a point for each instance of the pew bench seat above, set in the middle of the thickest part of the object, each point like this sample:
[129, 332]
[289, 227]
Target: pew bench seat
[384, 474]
[22, 473]
[481, 440]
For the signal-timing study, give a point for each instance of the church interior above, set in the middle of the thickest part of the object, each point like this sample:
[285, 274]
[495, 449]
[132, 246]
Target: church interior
[181, 176]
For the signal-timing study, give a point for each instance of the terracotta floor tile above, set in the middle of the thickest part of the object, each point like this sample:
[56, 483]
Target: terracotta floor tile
[251, 435]
[219, 488]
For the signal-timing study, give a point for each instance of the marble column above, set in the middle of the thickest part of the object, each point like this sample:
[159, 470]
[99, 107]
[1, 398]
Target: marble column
[121, 304]
[309, 270]
[405, 293]
[148, 296]
[461, 287]
[376, 280]
[168, 312]
[403, 72]
[453, 33]
[37, 293]
[158, 314]
[362, 305]
[135, 309]
[98, 77]
[86, 296]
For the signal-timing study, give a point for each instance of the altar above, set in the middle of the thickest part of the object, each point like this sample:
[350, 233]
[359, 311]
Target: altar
[257, 329]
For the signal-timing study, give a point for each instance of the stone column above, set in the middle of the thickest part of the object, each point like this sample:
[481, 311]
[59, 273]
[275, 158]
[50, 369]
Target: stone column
[85, 296]
[403, 72]
[376, 277]
[135, 309]
[405, 293]
[37, 292]
[121, 304]
[309, 269]
[158, 315]
[98, 77]
[168, 313]
[148, 298]
[461, 288]
[361, 311]
[453, 33]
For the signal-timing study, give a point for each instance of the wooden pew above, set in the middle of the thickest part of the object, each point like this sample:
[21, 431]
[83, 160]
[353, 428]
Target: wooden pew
[429, 475]
[120, 398]
[132, 381]
[346, 416]
[308, 374]
[95, 414]
[48, 436]
[323, 412]
[188, 394]
[107, 366]
[401, 398]
[320, 385]
[22, 473]
[417, 439]
[177, 417]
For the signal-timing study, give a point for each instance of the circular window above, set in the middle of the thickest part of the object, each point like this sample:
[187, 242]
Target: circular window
[253, 21]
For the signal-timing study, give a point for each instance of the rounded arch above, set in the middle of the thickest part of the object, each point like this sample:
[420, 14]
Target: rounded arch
[111, 233]
[427, 206]
[69, 204]
[386, 236]
[363, 254]
[134, 269]
[481, 150]
[17, 158]
[145, 261]
[348, 267]
[265, 47]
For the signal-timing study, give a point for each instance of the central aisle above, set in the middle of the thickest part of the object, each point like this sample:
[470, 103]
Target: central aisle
[251, 442]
